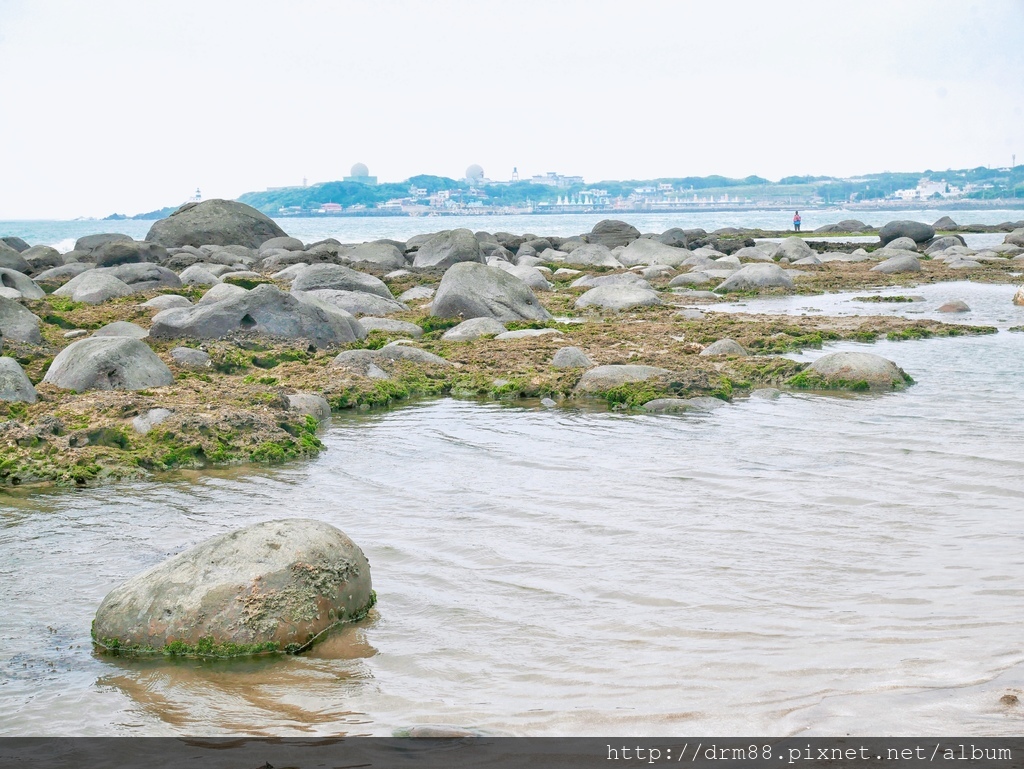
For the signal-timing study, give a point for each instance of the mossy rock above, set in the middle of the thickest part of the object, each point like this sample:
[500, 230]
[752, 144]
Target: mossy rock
[273, 587]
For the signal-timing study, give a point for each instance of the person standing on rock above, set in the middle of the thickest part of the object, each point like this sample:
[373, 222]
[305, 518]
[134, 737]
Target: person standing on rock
[796, 221]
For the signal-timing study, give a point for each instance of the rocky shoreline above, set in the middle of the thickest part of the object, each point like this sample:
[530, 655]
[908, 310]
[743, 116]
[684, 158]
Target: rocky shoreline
[220, 340]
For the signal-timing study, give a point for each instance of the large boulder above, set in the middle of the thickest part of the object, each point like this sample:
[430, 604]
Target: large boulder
[612, 233]
[336, 276]
[854, 371]
[1015, 238]
[945, 223]
[64, 273]
[214, 222]
[380, 254]
[18, 323]
[591, 255]
[604, 378]
[108, 363]
[94, 287]
[12, 260]
[273, 586]
[89, 243]
[265, 310]
[143, 277]
[794, 248]
[21, 283]
[285, 243]
[447, 248]
[473, 290]
[15, 387]
[752, 277]
[618, 297]
[898, 263]
[354, 302]
[650, 251]
[13, 241]
[42, 258]
[128, 252]
[919, 232]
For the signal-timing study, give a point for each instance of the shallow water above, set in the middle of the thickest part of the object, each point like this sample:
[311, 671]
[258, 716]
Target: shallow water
[811, 565]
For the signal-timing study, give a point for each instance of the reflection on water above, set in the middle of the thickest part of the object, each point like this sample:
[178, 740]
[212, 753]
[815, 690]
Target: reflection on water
[806, 565]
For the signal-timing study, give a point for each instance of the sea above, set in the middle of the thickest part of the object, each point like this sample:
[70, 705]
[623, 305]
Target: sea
[811, 565]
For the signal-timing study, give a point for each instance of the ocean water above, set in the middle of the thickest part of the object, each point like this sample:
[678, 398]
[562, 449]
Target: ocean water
[811, 565]
[62, 234]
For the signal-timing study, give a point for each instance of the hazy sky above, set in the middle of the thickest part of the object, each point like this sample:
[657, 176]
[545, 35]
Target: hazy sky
[128, 106]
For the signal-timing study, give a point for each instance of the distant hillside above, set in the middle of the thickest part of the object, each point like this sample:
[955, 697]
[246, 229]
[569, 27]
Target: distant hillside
[432, 192]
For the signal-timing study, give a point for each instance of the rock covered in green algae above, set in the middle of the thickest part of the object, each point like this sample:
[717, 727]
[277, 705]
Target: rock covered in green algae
[273, 586]
[852, 371]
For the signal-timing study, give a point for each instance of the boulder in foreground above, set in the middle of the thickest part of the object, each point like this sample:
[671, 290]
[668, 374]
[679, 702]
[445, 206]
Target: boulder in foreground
[856, 371]
[216, 223]
[274, 586]
[265, 310]
[919, 232]
[473, 290]
[108, 363]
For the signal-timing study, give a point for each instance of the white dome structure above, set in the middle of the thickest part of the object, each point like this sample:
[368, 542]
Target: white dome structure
[474, 173]
[360, 169]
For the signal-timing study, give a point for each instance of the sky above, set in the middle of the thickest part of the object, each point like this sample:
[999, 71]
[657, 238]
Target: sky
[126, 106]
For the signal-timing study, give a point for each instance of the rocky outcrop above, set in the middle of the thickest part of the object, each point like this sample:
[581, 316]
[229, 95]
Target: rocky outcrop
[214, 222]
[472, 290]
[108, 363]
[274, 586]
[265, 310]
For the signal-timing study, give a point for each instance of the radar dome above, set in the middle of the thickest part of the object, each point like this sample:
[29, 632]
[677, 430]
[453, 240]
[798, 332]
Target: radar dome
[474, 172]
[360, 169]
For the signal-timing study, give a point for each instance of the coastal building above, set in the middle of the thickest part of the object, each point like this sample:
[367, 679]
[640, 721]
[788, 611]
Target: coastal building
[926, 189]
[330, 208]
[552, 179]
[360, 174]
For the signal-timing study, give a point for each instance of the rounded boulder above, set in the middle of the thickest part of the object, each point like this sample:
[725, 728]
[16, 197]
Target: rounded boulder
[214, 222]
[857, 371]
[274, 586]
[108, 363]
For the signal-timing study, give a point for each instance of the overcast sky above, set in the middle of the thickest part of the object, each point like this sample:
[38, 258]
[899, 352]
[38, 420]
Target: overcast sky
[127, 106]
